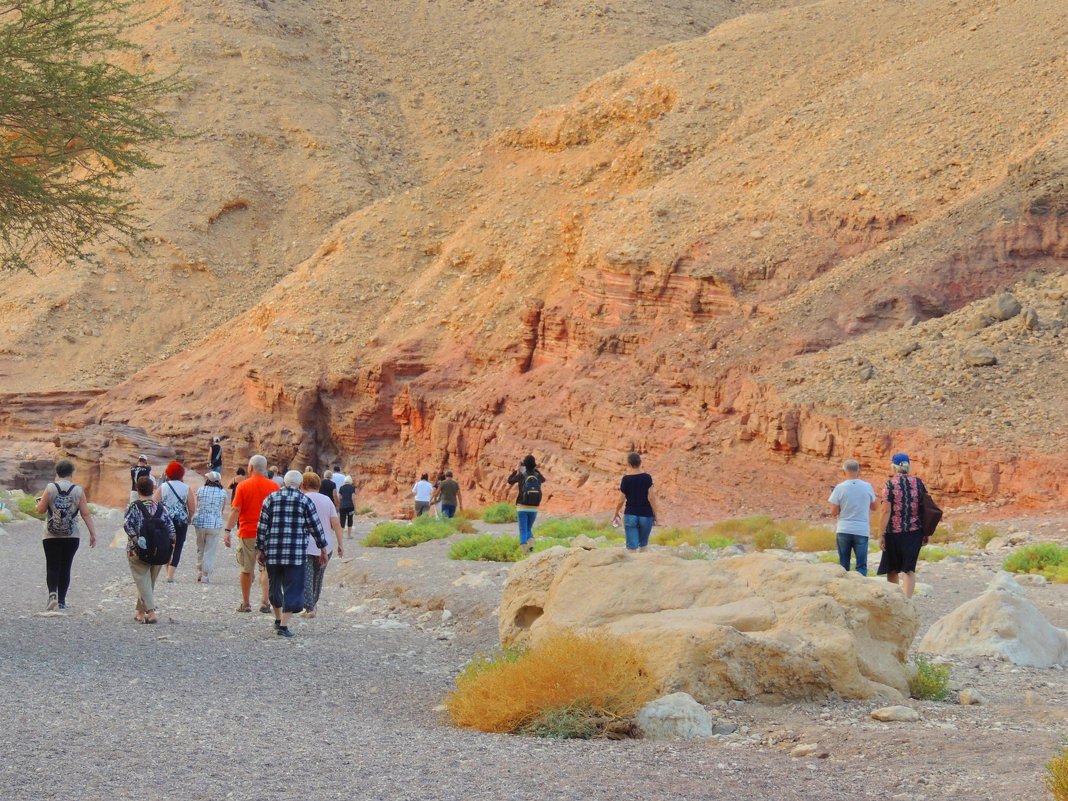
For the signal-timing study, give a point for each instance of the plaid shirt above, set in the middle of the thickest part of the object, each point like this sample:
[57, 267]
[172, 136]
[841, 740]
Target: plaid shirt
[287, 519]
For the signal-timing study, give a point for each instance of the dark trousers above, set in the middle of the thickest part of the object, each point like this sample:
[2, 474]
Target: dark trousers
[313, 582]
[285, 587]
[59, 556]
[346, 517]
[180, 530]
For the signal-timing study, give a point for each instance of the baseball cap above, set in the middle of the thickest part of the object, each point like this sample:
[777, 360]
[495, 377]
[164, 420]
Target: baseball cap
[900, 458]
[142, 458]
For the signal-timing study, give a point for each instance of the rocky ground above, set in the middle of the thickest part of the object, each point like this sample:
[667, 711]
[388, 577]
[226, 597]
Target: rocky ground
[210, 704]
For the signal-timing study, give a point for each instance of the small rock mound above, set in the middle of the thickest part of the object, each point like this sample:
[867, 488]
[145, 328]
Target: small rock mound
[675, 716]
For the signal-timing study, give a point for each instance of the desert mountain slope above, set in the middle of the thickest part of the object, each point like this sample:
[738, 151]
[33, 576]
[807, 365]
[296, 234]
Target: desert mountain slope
[298, 115]
[628, 269]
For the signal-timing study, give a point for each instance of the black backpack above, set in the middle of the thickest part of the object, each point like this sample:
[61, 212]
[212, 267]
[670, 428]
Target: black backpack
[62, 512]
[154, 538]
[530, 494]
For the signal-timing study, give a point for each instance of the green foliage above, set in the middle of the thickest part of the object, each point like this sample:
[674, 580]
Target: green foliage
[405, 535]
[830, 558]
[811, 539]
[365, 510]
[689, 536]
[986, 533]
[1057, 775]
[932, 553]
[929, 681]
[487, 548]
[566, 528]
[950, 532]
[75, 124]
[27, 505]
[499, 513]
[1043, 558]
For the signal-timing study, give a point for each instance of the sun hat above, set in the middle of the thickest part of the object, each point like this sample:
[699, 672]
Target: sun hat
[211, 475]
[900, 458]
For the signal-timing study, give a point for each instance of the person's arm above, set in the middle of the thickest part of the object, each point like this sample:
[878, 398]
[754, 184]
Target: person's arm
[880, 520]
[435, 495]
[42, 502]
[655, 505]
[514, 477]
[262, 527]
[337, 499]
[619, 507]
[459, 500]
[157, 494]
[191, 501]
[83, 510]
[335, 524]
[231, 521]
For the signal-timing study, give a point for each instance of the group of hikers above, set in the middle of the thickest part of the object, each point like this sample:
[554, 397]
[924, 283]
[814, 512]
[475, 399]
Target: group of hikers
[289, 525]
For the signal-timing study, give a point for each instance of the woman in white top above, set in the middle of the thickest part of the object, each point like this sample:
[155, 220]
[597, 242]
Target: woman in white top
[181, 505]
[64, 501]
[328, 516]
[208, 522]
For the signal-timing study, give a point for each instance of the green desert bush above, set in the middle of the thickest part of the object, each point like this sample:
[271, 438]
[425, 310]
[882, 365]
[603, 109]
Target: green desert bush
[365, 510]
[569, 685]
[1043, 558]
[950, 532]
[929, 681]
[566, 528]
[499, 513]
[986, 533]
[27, 505]
[487, 548]
[689, 536]
[933, 553]
[769, 539]
[405, 535]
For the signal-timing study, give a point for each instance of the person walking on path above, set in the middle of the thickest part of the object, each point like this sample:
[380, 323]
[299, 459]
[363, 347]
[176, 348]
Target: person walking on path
[245, 512]
[288, 518]
[208, 523]
[423, 491]
[347, 504]
[62, 502]
[528, 501]
[901, 524]
[328, 486]
[143, 514]
[239, 476]
[853, 501]
[275, 475]
[637, 502]
[447, 494]
[181, 505]
[215, 456]
[138, 470]
[330, 520]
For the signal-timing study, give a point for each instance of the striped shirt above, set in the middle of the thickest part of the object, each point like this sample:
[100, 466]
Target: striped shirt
[210, 502]
[287, 519]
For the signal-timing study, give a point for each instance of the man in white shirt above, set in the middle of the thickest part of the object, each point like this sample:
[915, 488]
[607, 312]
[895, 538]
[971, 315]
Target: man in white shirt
[853, 501]
[423, 491]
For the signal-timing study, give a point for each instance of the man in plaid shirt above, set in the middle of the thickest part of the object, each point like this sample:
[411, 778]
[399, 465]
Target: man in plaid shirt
[287, 519]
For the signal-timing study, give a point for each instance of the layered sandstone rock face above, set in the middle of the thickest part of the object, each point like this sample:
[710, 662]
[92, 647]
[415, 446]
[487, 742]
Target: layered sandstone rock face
[684, 259]
[751, 627]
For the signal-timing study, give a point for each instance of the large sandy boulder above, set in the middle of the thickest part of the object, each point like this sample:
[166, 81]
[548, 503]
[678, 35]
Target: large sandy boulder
[1001, 623]
[751, 627]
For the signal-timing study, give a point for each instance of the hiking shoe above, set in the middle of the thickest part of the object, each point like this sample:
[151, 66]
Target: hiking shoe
[244, 608]
[277, 624]
[53, 602]
[63, 605]
[283, 631]
[266, 609]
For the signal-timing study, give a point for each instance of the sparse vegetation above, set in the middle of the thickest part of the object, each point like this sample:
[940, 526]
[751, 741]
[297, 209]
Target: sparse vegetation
[569, 685]
[1042, 558]
[769, 539]
[950, 532]
[27, 505]
[365, 510]
[487, 548]
[1057, 775]
[499, 513]
[689, 536]
[933, 553]
[814, 538]
[929, 681]
[984, 534]
[566, 528]
[405, 535]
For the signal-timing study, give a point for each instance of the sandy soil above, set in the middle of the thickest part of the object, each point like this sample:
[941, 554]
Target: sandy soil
[210, 704]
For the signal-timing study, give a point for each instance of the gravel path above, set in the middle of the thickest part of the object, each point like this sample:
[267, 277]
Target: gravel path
[210, 705]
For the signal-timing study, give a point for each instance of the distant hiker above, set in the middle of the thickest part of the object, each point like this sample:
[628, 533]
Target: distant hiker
[62, 502]
[423, 491]
[150, 537]
[527, 502]
[238, 478]
[853, 501]
[138, 470]
[288, 518]
[902, 528]
[435, 499]
[328, 487]
[215, 456]
[181, 505]
[637, 502]
[314, 570]
[245, 512]
[347, 504]
[275, 475]
[208, 523]
[447, 494]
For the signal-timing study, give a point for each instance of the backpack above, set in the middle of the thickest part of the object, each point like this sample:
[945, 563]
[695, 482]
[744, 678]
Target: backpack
[530, 494]
[153, 538]
[179, 516]
[62, 512]
[930, 514]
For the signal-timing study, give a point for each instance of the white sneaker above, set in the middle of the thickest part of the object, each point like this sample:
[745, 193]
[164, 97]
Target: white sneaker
[53, 602]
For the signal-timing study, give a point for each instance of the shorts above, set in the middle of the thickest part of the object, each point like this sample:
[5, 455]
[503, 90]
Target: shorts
[247, 555]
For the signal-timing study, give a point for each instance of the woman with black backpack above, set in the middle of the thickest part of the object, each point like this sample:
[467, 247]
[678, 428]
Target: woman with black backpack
[530, 481]
[150, 538]
[63, 501]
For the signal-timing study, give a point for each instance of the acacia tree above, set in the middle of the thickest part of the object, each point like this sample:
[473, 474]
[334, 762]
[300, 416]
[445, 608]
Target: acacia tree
[73, 125]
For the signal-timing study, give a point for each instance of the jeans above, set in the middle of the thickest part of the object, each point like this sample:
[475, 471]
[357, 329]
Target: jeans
[448, 509]
[637, 528]
[59, 556]
[526, 524]
[853, 543]
[313, 582]
[285, 587]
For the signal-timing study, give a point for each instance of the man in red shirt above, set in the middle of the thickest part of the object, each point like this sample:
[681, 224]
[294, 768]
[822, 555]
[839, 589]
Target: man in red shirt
[245, 511]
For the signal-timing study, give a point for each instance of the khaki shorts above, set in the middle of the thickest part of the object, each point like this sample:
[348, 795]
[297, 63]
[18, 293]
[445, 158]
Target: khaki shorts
[246, 554]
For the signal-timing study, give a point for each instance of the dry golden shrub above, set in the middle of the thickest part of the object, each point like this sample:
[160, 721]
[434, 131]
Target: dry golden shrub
[1057, 776]
[814, 539]
[604, 676]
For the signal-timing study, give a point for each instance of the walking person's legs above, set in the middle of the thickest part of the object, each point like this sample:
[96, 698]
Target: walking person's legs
[144, 577]
[630, 531]
[860, 548]
[845, 544]
[180, 531]
[526, 519]
[69, 548]
[645, 529]
[52, 570]
[310, 564]
[207, 548]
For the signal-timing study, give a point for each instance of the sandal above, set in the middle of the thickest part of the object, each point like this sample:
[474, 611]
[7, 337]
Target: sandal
[244, 608]
[139, 618]
[266, 609]
[151, 620]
